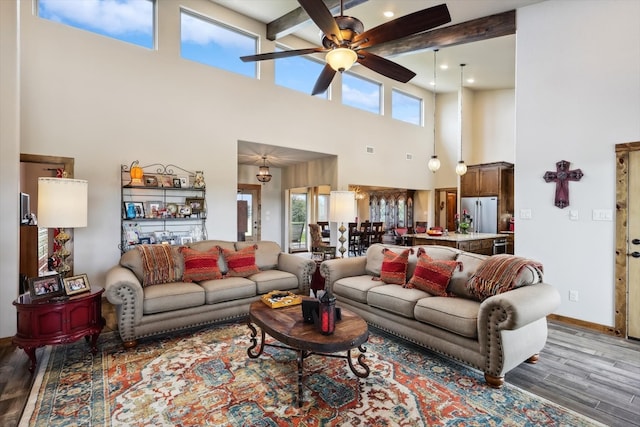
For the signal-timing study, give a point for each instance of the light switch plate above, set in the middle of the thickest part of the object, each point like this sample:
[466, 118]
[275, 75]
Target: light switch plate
[602, 215]
[525, 214]
[573, 215]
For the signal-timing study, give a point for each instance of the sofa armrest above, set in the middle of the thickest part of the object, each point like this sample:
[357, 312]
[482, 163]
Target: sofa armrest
[124, 290]
[336, 269]
[299, 266]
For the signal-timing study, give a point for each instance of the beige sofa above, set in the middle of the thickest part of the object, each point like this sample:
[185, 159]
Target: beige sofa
[494, 335]
[144, 311]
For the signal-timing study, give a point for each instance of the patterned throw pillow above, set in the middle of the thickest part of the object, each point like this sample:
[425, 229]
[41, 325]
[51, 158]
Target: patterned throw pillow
[241, 263]
[158, 265]
[432, 275]
[200, 266]
[500, 273]
[394, 266]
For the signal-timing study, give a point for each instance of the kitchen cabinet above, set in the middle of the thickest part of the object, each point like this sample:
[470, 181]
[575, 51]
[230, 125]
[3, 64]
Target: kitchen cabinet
[491, 179]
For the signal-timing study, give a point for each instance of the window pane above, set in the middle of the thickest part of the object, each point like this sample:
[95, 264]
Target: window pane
[298, 73]
[127, 20]
[361, 93]
[323, 207]
[216, 45]
[406, 107]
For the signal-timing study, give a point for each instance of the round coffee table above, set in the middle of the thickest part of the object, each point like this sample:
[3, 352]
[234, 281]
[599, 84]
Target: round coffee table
[287, 326]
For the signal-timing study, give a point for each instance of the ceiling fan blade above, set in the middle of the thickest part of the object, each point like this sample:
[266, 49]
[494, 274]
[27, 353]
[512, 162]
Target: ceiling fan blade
[322, 17]
[404, 26]
[282, 54]
[324, 80]
[385, 67]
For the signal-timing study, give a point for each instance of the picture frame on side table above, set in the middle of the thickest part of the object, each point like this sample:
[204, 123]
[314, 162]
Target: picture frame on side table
[76, 284]
[317, 256]
[45, 287]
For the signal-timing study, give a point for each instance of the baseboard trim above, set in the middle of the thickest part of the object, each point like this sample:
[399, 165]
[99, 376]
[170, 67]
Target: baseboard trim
[6, 341]
[609, 330]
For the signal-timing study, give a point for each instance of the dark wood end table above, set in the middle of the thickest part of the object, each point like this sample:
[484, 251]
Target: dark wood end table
[287, 326]
[47, 322]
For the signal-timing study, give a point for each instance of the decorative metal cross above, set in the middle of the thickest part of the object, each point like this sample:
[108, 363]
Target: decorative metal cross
[561, 177]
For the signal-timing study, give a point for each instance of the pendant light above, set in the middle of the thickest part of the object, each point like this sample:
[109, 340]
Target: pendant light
[263, 174]
[434, 161]
[461, 167]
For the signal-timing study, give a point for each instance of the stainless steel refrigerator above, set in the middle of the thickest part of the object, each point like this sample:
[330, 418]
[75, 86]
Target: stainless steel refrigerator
[484, 211]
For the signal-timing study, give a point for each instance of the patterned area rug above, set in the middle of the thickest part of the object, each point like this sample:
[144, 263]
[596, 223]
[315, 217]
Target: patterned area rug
[204, 377]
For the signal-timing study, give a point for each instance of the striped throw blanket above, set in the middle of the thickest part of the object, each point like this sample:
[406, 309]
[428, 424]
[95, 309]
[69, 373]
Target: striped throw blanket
[498, 274]
[157, 264]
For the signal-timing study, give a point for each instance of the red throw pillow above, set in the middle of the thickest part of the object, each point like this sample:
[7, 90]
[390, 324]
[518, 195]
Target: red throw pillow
[241, 263]
[200, 266]
[432, 275]
[394, 266]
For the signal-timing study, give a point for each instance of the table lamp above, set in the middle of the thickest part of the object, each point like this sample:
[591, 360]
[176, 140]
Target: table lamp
[342, 208]
[62, 203]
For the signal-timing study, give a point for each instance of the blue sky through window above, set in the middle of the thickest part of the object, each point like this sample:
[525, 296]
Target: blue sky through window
[216, 45]
[127, 20]
[406, 107]
[299, 73]
[361, 93]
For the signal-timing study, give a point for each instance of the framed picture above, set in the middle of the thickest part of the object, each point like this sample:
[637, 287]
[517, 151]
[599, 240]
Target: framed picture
[196, 203]
[165, 180]
[45, 287]
[133, 210]
[184, 210]
[153, 209]
[184, 181]
[76, 284]
[185, 240]
[144, 240]
[150, 181]
[177, 183]
[317, 256]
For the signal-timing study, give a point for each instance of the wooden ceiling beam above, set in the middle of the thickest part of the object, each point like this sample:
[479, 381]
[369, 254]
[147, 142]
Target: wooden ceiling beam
[501, 24]
[290, 22]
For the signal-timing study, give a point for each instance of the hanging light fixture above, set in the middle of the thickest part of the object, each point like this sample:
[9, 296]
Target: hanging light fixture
[434, 161]
[461, 167]
[263, 174]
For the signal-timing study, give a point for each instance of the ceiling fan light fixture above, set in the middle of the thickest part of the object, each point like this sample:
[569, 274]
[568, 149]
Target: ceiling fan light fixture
[263, 174]
[341, 59]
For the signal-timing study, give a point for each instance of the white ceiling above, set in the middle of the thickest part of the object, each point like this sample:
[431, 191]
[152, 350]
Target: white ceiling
[490, 63]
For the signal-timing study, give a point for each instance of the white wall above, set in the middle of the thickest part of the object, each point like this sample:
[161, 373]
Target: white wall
[578, 94]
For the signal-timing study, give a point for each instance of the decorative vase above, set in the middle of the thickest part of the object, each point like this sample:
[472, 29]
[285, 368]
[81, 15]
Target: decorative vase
[464, 227]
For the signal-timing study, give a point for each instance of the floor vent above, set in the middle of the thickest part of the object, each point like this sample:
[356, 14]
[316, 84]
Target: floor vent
[370, 149]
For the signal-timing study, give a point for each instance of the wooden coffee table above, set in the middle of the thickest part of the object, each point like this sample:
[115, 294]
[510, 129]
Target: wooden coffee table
[287, 326]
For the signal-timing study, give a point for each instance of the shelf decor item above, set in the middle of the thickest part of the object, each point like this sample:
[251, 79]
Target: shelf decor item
[136, 173]
[45, 287]
[76, 284]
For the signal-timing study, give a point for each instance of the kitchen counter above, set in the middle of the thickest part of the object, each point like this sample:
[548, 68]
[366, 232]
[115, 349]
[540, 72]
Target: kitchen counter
[481, 243]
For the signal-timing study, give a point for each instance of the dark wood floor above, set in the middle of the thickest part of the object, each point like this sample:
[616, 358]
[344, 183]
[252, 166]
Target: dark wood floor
[591, 373]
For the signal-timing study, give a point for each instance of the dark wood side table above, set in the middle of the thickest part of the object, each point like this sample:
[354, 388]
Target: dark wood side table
[46, 322]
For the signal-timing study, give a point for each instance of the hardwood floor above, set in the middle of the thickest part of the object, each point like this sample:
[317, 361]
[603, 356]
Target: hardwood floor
[591, 373]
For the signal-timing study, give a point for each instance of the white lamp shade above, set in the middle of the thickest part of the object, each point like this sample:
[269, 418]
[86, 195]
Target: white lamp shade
[342, 206]
[341, 59]
[62, 202]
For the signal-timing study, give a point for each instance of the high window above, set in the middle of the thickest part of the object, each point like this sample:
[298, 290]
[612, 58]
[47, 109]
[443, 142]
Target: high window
[361, 93]
[211, 43]
[131, 21]
[406, 107]
[299, 73]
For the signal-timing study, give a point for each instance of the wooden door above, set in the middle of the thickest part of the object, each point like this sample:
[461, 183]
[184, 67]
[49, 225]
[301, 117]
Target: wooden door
[633, 262]
[249, 212]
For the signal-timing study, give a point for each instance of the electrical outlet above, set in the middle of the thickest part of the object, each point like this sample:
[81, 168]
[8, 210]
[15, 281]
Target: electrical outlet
[573, 215]
[573, 296]
[602, 215]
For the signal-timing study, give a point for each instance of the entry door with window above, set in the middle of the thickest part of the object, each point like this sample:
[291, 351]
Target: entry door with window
[248, 201]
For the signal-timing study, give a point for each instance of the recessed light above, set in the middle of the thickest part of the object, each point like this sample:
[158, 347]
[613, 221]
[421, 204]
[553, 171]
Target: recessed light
[444, 67]
[388, 14]
[471, 81]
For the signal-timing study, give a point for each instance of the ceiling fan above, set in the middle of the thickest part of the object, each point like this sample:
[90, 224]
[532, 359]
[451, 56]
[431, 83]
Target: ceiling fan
[345, 41]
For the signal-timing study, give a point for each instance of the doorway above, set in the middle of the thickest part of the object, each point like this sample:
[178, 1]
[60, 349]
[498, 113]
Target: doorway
[627, 257]
[249, 212]
[36, 243]
[446, 207]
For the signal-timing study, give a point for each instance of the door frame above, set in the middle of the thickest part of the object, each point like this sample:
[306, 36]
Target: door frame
[257, 216]
[622, 231]
[438, 202]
